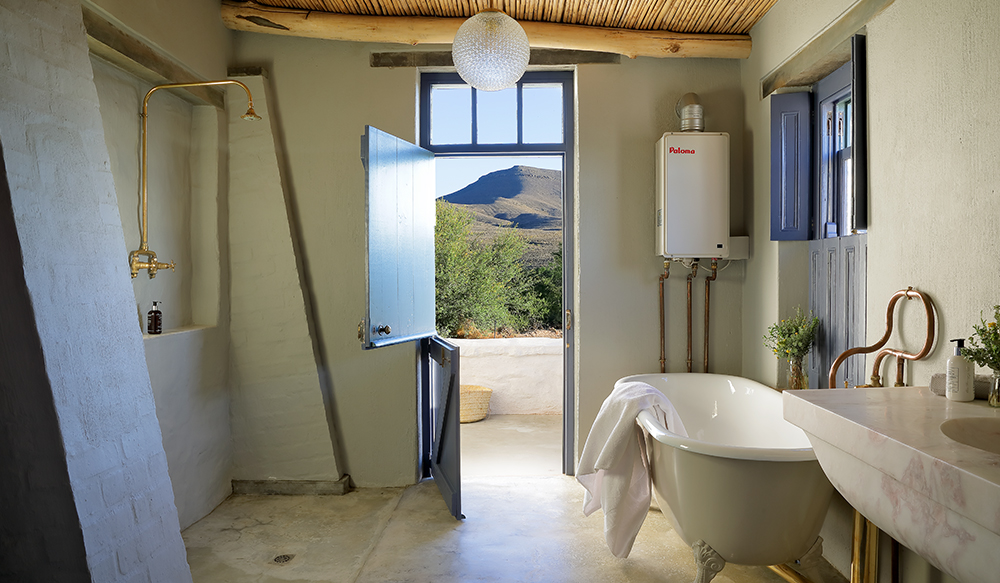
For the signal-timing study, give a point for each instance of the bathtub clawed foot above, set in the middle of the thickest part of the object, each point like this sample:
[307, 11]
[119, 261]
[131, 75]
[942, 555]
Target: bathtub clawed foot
[708, 561]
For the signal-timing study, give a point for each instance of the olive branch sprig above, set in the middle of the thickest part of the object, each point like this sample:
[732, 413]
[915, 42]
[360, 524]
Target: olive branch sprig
[792, 338]
[984, 344]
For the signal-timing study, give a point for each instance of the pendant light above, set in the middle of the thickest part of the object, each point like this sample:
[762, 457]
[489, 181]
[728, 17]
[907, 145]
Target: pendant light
[490, 50]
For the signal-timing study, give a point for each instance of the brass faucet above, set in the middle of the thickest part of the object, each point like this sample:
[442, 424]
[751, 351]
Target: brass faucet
[151, 263]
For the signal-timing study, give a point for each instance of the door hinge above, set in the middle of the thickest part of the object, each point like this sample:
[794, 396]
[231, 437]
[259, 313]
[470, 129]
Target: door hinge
[361, 331]
[569, 319]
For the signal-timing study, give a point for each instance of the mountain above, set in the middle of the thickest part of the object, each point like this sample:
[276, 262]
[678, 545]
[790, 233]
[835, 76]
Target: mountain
[522, 196]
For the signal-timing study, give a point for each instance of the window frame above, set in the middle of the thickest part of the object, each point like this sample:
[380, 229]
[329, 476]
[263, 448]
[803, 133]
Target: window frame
[564, 78]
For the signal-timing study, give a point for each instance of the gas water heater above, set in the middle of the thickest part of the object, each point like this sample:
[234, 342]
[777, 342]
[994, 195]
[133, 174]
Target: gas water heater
[692, 188]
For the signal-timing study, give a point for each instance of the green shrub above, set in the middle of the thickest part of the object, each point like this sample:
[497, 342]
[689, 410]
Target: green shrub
[480, 284]
[548, 285]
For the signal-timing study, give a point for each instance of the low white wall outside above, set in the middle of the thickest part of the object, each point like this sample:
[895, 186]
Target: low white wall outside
[525, 373]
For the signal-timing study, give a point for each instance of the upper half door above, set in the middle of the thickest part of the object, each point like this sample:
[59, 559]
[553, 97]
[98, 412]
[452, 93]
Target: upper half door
[399, 180]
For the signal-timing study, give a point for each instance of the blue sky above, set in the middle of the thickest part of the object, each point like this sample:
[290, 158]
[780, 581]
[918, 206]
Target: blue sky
[451, 123]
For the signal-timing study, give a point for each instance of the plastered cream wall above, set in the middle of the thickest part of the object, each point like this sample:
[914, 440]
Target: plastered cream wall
[187, 364]
[623, 111]
[934, 143]
[189, 30]
[280, 428]
[170, 134]
[324, 93]
[776, 279]
[932, 184]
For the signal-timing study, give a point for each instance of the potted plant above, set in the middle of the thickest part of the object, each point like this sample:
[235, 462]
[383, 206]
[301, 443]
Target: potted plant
[791, 339]
[984, 350]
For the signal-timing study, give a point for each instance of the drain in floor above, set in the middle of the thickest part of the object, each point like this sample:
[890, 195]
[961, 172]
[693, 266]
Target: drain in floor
[282, 559]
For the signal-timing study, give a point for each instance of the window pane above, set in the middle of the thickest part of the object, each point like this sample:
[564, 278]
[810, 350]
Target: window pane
[496, 116]
[543, 113]
[451, 114]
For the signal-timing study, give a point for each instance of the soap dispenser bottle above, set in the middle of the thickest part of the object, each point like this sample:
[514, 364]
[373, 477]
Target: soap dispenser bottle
[959, 375]
[154, 320]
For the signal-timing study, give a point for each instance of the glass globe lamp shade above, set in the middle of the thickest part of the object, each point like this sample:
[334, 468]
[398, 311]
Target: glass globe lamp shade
[490, 51]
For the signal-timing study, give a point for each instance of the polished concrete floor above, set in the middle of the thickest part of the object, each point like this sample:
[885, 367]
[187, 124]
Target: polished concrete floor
[523, 524]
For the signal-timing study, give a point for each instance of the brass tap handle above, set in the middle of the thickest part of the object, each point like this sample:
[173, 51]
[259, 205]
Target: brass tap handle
[155, 266]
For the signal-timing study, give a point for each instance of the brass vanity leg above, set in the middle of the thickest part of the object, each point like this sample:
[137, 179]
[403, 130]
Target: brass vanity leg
[788, 574]
[871, 552]
[856, 536]
[864, 550]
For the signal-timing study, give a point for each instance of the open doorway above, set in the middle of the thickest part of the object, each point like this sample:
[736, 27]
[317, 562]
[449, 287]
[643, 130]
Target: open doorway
[504, 175]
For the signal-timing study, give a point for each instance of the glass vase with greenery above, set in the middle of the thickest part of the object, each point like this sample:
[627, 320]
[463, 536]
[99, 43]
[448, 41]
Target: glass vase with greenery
[984, 350]
[791, 339]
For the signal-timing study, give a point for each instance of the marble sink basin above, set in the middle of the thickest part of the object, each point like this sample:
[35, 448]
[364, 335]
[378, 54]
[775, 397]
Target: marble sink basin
[979, 432]
[924, 469]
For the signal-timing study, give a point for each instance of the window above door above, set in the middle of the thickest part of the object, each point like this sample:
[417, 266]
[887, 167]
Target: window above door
[532, 116]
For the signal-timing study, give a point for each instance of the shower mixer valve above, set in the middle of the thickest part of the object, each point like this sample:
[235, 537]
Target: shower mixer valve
[151, 263]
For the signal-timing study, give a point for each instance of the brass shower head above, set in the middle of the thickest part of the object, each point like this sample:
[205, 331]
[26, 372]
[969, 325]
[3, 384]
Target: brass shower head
[250, 115]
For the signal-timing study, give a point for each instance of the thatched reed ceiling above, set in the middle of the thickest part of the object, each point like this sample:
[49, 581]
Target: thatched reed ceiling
[683, 16]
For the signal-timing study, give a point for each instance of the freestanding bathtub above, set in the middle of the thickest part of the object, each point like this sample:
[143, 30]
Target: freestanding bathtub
[744, 486]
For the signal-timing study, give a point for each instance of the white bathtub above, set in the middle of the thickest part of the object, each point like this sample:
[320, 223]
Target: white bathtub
[745, 482]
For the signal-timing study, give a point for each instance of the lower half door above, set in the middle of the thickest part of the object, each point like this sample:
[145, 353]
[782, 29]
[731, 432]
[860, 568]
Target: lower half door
[442, 420]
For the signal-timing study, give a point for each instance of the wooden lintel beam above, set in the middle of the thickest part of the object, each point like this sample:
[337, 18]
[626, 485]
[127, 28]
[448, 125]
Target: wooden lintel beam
[112, 44]
[252, 17]
[546, 57]
[825, 51]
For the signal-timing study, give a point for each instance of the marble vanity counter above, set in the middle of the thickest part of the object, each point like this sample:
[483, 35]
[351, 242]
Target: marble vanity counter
[883, 449]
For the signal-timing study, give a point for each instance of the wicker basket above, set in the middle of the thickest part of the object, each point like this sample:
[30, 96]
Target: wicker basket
[475, 401]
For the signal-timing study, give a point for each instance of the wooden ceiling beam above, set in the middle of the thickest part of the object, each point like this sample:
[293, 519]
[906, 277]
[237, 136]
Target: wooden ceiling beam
[252, 17]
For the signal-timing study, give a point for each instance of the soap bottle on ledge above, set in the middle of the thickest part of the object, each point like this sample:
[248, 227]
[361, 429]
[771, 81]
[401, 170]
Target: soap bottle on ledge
[154, 320]
[959, 375]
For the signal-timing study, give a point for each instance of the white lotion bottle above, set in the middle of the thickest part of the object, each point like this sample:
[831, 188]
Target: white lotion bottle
[959, 375]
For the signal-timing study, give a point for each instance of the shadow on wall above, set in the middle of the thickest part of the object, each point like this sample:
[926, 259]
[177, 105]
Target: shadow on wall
[36, 499]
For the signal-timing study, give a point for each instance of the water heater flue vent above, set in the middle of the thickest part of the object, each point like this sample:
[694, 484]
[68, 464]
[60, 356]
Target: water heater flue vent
[691, 112]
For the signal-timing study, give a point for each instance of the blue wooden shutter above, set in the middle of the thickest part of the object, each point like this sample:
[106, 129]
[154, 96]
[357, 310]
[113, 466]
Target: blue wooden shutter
[399, 179]
[790, 167]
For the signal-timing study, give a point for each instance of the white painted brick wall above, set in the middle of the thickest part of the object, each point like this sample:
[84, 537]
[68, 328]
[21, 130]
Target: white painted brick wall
[75, 268]
[526, 374]
[279, 419]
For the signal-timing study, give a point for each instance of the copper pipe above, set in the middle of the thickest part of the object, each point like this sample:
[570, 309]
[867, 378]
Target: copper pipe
[663, 331]
[152, 264]
[899, 354]
[708, 281]
[908, 293]
[690, 279]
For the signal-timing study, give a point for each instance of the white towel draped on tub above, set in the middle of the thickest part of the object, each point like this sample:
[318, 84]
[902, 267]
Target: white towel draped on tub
[613, 465]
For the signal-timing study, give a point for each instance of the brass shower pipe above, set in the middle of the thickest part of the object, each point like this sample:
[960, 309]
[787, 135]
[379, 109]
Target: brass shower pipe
[690, 280]
[708, 281]
[909, 293]
[151, 264]
[663, 332]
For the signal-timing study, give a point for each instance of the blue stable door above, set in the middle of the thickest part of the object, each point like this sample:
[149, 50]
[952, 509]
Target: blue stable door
[399, 184]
